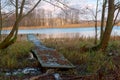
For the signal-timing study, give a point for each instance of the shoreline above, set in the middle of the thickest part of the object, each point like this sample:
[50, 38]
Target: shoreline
[81, 25]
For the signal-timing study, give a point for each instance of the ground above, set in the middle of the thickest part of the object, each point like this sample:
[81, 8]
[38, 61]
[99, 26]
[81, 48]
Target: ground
[92, 65]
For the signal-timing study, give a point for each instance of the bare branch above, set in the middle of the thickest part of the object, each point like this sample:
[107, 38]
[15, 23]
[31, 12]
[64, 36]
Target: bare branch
[67, 6]
[117, 5]
[21, 8]
[32, 9]
[114, 22]
[54, 5]
[60, 6]
[13, 3]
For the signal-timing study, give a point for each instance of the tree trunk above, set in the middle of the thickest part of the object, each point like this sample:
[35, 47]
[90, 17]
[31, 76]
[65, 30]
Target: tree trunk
[0, 19]
[109, 25]
[96, 23]
[11, 38]
[102, 18]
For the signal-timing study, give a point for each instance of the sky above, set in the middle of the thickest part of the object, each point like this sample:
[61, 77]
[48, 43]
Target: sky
[75, 3]
[79, 4]
[83, 1]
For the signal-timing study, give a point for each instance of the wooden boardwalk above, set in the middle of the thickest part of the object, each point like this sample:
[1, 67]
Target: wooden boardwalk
[48, 57]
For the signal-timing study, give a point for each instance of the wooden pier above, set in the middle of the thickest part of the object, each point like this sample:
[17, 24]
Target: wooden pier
[48, 57]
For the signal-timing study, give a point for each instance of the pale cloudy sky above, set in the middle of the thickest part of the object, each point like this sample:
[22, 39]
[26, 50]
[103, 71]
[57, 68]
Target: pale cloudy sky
[74, 3]
[84, 3]
[79, 4]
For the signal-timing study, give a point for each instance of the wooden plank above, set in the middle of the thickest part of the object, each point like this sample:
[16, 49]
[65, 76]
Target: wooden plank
[48, 57]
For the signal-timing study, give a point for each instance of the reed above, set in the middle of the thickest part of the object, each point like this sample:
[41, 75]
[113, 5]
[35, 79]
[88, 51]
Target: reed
[88, 61]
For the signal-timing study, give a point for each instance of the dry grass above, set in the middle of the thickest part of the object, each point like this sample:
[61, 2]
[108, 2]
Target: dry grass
[73, 49]
[81, 24]
[16, 55]
[88, 61]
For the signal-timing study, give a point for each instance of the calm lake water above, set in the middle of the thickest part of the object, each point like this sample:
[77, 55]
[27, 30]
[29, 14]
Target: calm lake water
[66, 32]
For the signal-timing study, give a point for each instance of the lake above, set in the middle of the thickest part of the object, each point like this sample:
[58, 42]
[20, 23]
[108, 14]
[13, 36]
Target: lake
[66, 32]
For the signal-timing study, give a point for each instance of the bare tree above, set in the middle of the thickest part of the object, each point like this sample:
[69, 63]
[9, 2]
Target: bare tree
[0, 19]
[3, 14]
[102, 18]
[22, 9]
[94, 15]
[113, 12]
[19, 8]
[109, 25]
[111, 19]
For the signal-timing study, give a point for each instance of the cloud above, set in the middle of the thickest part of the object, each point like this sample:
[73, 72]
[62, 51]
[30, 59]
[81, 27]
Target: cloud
[90, 6]
[81, 4]
[78, 4]
[46, 6]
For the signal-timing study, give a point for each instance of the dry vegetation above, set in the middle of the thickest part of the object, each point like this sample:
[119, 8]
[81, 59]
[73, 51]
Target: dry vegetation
[89, 62]
[86, 62]
[16, 56]
[81, 24]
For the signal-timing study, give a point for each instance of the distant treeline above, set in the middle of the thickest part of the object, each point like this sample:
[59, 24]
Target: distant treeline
[44, 18]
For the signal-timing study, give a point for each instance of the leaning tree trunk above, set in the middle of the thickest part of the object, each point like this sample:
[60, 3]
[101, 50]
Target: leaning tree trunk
[109, 25]
[11, 38]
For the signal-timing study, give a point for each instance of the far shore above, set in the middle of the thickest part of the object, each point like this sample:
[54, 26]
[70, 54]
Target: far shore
[80, 25]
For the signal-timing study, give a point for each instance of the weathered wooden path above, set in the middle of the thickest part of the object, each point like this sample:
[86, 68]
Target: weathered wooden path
[48, 57]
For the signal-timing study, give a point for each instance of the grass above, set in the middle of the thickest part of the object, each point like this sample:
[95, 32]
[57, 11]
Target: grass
[88, 61]
[16, 55]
